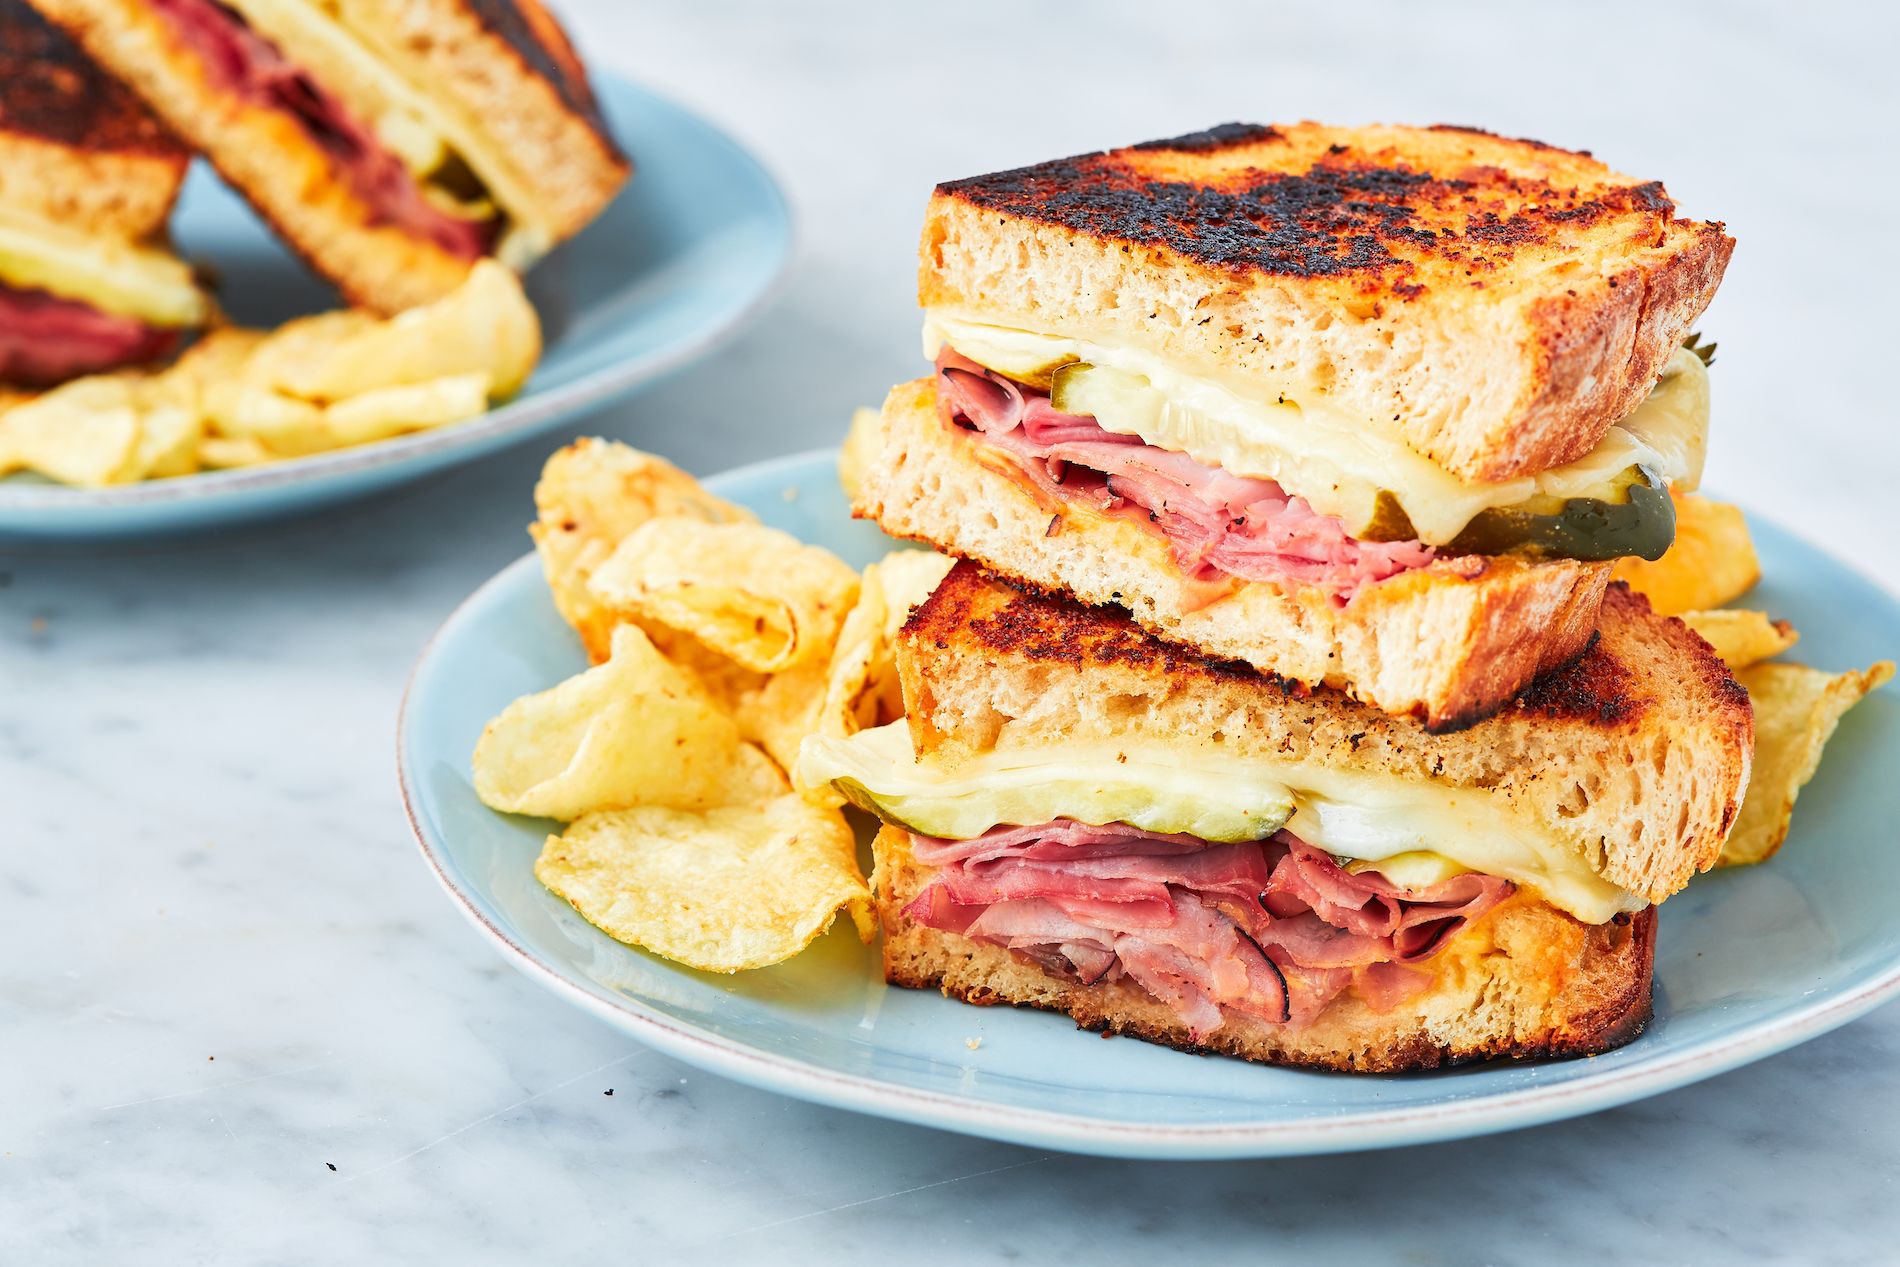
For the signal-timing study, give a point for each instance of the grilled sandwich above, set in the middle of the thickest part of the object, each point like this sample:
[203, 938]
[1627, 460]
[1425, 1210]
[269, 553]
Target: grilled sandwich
[1084, 818]
[1370, 408]
[391, 144]
[87, 182]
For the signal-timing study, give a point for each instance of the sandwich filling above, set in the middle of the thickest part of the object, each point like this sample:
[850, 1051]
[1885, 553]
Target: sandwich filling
[1357, 474]
[1272, 929]
[74, 303]
[1364, 818]
[411, 165]
[45, 340]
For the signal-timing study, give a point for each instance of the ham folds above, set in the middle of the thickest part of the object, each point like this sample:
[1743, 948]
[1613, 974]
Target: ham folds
[1272, 929]
[1217, 525]
[46, 339]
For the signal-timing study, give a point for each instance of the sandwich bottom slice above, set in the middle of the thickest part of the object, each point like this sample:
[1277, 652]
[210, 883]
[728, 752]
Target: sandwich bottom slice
[1083, 818]
[1525, 980]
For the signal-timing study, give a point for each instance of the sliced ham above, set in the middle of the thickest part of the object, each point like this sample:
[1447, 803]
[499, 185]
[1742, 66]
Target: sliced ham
[244, 63]
[1217, 524]
[1273, 929]
[45, 340]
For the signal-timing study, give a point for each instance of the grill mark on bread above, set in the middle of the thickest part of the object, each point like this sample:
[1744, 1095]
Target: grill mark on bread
[1272, 204]
[543, 48]
[50, 89]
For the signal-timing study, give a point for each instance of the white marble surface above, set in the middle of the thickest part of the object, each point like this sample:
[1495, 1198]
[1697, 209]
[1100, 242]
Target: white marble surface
[238, 1023]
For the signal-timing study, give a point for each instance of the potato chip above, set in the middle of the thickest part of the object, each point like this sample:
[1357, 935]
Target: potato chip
[755, 594]
[169, 436]
[391, 411]
[1742, 637]
[282, 424]
[861, 445]
[486, 325]
[861, 687]
[1712, 561]
[84, 433]
[1796, 710]
[225, 452]
[783, 710]
[723, 890]
[590, 495]
[634, 731]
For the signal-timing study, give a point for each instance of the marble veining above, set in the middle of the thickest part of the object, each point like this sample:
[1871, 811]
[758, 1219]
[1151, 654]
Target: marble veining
[239, 1024]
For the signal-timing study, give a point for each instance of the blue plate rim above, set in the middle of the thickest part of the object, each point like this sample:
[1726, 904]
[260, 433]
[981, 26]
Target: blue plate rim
[520, 416]
[1479, 1114]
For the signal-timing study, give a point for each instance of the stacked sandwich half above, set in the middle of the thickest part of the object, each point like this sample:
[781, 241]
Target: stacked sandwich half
[1281, 705]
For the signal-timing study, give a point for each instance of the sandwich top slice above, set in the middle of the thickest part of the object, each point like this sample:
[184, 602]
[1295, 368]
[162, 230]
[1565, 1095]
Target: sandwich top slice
[1328, 361]
[390, 143]
[1084, 818]
[87, 182]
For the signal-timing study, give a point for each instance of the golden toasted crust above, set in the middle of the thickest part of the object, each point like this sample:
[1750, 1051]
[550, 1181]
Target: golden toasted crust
[76, 147]
[509, 68]
[1451, 643]
[1636, 756]
[1526, 981]
[1503, 301]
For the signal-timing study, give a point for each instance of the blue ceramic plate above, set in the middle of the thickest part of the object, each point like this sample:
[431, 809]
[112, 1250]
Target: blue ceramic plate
[1748, 963]
[692, 245]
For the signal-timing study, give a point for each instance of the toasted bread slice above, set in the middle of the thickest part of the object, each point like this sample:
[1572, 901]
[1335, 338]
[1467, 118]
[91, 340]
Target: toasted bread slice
[498, 73]
[1452, 642]
[1524, 981]
[76, 147]
[1634, 758]
[1501, 302]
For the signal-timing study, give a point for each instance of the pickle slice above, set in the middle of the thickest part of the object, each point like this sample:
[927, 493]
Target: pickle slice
[1634, 518]
[1210, 795]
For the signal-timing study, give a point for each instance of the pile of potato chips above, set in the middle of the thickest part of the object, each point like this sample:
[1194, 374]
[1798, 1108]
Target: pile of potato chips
[718, 645]
[1796, 708]
[242, 397]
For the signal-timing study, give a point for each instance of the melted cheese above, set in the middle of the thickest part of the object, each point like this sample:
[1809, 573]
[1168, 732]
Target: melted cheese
[1356, 814]
[1337, 462]
[419, 129]
[110, 274]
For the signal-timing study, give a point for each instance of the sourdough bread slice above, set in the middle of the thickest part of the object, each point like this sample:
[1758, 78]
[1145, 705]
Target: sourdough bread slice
[1451, 643]
[1523, 981]
[1635, 757]
[1501, 302]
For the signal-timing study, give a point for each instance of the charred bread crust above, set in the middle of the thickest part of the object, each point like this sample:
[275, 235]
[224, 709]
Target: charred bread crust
[1504, 301]
[1450, 643]
[1525, 982]
[1637, 755]
[76, 146]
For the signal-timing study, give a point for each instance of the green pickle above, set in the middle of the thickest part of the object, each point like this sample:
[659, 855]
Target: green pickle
[1633, 518]
[1628, 515]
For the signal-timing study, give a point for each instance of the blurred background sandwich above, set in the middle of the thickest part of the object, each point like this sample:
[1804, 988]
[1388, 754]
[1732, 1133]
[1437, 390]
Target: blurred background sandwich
[391, 144]
[88, 281]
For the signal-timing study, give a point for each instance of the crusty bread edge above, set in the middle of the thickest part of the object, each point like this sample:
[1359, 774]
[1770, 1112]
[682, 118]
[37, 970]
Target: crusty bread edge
[573, 169]
[1594, 998]
[1588, 355]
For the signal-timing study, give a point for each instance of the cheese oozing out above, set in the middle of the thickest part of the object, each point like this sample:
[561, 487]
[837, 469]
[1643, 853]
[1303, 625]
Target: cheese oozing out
[346, 47]
[110, 274]
[1424, 830]
[1338, 463]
